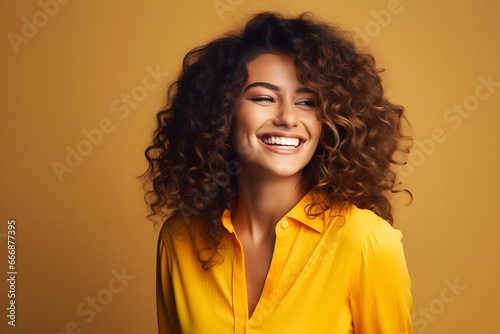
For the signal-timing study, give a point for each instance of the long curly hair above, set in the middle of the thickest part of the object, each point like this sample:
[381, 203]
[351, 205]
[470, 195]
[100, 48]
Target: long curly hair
[192, 165]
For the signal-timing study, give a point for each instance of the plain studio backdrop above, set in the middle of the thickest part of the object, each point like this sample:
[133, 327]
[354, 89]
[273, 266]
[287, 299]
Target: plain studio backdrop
[82, 81]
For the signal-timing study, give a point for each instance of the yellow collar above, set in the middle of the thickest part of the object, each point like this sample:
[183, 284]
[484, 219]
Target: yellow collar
[298, 213]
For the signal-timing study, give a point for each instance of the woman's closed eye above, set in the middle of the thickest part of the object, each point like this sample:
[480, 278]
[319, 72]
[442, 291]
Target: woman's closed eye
[262, 98]
[308, 104]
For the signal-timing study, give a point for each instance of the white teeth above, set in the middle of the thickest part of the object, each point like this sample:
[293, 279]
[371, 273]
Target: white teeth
[284, 141]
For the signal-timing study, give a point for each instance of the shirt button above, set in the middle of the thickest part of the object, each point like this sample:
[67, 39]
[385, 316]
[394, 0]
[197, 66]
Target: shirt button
[284, 224]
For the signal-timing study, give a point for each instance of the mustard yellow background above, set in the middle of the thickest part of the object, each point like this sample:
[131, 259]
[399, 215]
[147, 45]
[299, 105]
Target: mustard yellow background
[99, 70]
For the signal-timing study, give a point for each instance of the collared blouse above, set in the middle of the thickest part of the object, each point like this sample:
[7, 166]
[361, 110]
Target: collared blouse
[336, 273]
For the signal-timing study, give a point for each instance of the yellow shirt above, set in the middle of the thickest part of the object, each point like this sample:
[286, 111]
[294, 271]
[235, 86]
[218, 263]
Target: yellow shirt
[335, 275]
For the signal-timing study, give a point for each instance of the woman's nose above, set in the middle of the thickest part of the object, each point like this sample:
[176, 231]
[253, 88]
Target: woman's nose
[286, 115]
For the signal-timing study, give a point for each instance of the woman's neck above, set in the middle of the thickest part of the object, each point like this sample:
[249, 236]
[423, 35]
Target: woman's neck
[262, 201]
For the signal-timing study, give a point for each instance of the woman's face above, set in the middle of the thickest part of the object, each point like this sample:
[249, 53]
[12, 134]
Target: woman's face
[276, 127]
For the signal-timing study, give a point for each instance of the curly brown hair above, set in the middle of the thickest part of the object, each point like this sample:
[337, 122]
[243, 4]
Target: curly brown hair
[192, 165]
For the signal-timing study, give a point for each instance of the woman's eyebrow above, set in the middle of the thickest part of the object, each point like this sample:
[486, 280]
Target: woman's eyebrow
[262, 84]
[274, 87]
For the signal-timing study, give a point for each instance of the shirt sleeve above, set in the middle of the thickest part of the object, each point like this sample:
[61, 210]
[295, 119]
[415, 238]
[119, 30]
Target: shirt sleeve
[165, 301]
[381, 293]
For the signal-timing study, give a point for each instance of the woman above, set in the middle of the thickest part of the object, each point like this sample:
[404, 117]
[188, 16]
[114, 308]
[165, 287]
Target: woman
[273, 162]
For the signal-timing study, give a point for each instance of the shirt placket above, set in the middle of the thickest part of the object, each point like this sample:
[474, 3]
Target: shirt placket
[240, 304]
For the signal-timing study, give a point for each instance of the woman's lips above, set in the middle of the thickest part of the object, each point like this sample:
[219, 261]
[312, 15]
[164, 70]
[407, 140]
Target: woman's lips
[282, 144]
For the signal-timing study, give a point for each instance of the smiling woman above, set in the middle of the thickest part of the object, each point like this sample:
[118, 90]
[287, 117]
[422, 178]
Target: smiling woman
[272, 161]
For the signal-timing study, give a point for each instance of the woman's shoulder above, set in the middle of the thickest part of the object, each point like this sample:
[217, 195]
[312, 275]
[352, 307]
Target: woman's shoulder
[178, 227]
[362, 226]
[364, 218]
